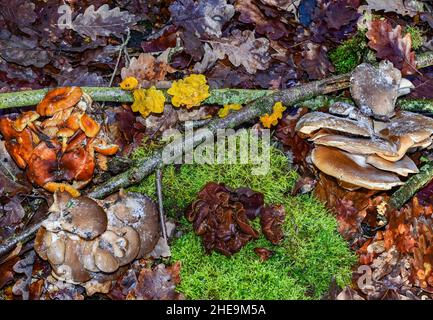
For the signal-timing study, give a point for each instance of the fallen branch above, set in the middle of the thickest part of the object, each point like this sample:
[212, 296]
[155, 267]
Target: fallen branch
[115, 94]
[291, 96]
[415, 105]
[416, 182]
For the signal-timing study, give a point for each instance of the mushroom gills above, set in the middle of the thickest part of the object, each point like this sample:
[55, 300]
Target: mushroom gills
[352, 169]
[402, 167]
[357, 145]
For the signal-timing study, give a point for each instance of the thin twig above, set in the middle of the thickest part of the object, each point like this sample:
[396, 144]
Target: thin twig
[158, 177]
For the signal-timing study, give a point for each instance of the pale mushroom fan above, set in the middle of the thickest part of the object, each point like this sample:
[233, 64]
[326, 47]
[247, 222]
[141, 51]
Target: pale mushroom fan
[366, 146]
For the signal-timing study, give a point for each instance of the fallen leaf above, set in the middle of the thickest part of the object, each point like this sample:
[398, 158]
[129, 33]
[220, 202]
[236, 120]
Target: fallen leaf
[389, 44]
[203, 18]
[146, 69]
[397, 6]
[315, 61]
[102, 22]
[242, 48]
[271, 220]
[251, 13]
[158, 283]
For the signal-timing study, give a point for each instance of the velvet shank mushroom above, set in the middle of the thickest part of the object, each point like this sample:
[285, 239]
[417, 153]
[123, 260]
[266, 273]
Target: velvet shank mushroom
[86, 244]
[57, 143]
[366, 145]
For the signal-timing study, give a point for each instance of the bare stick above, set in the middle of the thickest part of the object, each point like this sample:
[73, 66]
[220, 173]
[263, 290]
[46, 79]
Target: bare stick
[158, 177]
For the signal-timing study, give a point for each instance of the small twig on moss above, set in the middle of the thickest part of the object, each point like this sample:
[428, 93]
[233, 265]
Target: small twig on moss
[158, 178]
[416, 182]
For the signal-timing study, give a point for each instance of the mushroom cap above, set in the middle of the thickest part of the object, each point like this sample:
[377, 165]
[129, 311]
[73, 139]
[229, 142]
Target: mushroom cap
[352, 169]
[73, 121]
[59, 99]
[405, 123]
[105, 261]
[314, 121]
[404, 144]
[24, 119]
[65, 133]
[81, 216]
[72, 268]
[18, 144]
[375, 89]
[137, 211]
[106, 149]
[89, 126]
[402, 167]
[357, 145]
[77, 164]
[42, 165]
[133, 243]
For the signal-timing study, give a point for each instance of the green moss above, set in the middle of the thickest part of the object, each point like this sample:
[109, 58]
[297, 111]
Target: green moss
[303, 265]
[349, 54]
[416, 35]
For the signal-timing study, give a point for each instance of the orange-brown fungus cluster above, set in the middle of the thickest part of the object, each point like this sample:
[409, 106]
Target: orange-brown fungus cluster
[56, 144]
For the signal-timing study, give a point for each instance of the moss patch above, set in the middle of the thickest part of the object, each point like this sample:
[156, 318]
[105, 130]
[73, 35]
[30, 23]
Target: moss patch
[416, 35]
[303, 266]
[349, 54]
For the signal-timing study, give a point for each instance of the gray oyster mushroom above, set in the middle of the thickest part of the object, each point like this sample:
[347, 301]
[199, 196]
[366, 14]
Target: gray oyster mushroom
[375, 89]
[367, 145]
[86, 240]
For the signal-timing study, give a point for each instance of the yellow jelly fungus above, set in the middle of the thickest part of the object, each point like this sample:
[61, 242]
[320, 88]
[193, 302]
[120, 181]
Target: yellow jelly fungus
[223, 112]
[129, 83]
[190, 91]
[147, 101]
[272, 119]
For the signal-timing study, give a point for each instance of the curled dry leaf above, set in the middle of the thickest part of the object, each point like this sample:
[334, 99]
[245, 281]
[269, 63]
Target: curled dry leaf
[146, 69]
[203, 18]
[389, 44]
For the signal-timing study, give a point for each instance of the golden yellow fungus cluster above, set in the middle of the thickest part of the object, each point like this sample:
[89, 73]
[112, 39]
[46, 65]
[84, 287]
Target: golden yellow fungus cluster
[223, 112]
[272, 119]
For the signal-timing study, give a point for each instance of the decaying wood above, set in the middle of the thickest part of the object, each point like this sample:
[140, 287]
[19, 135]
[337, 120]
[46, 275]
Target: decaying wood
[416, 182]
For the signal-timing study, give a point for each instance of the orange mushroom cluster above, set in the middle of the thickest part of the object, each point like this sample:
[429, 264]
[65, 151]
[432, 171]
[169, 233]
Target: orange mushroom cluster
[87, 242]
[56, 144]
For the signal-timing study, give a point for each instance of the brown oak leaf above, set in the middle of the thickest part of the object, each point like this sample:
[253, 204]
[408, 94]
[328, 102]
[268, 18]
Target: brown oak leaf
[391, 45]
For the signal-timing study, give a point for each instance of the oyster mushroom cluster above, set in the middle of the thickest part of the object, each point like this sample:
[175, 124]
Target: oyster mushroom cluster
[60, 144]
[366, 145]
[87, 241]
